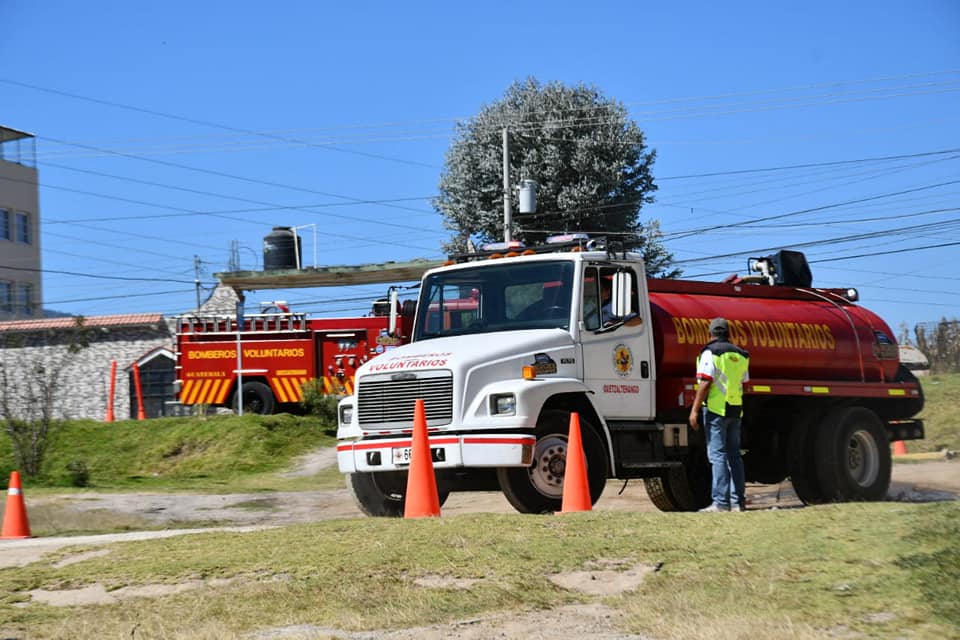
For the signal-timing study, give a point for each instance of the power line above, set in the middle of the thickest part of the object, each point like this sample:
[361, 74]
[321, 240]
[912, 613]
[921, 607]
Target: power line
[689, 232]
[100, 277]
[207, 123]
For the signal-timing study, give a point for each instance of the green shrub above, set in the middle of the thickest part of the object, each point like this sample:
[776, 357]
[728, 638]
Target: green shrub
[79, 473]
[317, 403]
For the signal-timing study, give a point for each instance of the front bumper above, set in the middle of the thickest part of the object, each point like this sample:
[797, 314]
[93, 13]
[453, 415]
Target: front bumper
[447, 451]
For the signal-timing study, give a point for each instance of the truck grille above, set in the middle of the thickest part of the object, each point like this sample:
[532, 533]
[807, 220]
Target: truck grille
[392, 398]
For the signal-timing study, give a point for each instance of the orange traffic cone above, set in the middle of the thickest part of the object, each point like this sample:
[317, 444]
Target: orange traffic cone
[899, 448]
[15, 524]
[576, 487]
[422, 500]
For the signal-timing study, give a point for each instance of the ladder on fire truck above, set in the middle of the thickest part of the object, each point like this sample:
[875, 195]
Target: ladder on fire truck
[213, 325]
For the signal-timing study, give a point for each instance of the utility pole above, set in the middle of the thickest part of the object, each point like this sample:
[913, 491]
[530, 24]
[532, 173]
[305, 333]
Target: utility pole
[507, 215]
[196, 278]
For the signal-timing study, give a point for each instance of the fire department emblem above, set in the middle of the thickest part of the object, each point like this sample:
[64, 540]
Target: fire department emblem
[622, 360]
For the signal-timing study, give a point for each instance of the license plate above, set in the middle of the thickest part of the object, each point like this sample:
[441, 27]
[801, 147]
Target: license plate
[401, 455]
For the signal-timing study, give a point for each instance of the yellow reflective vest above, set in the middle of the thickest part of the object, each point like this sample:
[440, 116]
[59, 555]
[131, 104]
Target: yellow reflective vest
[730, 362]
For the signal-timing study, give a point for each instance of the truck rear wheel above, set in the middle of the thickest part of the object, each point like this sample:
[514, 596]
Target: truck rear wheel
[257, 398]
[685, 488]
[539, 487]
[383, 494]
[853, 456]
[801, 463]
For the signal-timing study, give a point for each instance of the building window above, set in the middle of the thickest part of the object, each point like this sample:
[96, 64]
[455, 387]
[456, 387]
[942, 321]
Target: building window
[23, 227]
[4, 224]
[25, 299]
[6, 297]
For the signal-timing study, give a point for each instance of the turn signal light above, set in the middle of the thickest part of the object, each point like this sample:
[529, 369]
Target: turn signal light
[529, 372]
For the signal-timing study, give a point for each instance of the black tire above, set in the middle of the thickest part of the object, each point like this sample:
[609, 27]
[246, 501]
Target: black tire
[801, 463]
[257, 398]
[684, 488]
[383, 494]
[853, 456]
[539, 487]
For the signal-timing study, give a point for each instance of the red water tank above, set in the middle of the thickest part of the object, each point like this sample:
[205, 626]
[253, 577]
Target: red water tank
[791, 333]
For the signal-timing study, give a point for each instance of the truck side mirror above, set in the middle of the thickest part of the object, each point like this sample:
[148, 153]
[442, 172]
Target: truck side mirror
[394, 305]
[622, 294]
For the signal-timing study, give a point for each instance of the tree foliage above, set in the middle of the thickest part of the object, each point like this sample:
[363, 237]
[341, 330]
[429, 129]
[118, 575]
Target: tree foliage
[590, 161]
[940, 343]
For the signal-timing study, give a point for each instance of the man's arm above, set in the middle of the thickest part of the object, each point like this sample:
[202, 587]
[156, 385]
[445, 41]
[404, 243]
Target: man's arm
[702, 388]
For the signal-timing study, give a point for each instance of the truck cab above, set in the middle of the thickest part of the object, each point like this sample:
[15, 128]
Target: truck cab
[503, 350]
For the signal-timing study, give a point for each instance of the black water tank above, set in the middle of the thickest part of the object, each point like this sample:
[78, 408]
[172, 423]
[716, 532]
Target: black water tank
[281, 249]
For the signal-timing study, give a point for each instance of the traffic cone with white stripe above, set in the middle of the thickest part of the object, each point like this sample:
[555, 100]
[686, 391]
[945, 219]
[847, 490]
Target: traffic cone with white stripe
[422, 499]
[576, 486]
[15, 523]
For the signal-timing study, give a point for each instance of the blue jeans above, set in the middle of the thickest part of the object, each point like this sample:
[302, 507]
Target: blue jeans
[723, 452]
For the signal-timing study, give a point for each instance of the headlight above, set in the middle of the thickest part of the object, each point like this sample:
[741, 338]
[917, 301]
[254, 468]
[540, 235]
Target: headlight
[504, 404]
[346, 414]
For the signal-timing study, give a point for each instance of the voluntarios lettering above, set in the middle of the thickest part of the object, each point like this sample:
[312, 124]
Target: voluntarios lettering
[760, 333]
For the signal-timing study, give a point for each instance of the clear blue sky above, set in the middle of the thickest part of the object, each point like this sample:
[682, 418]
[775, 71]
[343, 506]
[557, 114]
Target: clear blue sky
[373, 90]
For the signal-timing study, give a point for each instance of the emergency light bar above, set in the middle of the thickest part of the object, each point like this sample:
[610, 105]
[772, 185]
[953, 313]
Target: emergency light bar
[503, 246]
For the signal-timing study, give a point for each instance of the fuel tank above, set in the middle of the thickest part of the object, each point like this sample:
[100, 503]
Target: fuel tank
[791, 333]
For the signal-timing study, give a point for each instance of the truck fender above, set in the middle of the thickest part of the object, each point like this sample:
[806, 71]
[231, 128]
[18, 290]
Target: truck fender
[531, 396]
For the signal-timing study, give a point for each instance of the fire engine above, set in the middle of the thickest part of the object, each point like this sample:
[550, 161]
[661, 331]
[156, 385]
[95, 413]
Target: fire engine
[274, 354]
[506, 345]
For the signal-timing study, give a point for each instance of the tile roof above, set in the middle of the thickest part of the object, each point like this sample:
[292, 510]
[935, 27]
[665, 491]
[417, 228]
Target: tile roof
[123, 320]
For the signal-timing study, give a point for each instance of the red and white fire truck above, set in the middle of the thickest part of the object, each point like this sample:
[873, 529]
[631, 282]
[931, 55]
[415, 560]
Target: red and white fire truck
[275, 354]
[506, 346]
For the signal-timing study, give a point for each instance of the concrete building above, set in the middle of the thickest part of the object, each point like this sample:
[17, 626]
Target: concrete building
[21, 294]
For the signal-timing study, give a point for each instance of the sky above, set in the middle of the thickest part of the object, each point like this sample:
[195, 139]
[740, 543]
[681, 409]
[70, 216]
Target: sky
[168, 133]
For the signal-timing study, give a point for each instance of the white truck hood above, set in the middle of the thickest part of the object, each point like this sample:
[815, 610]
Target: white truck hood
[504, 353]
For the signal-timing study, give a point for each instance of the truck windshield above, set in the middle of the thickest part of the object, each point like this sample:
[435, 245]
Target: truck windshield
[506, 297]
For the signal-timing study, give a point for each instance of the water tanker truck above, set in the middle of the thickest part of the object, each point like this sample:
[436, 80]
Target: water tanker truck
[506, 345]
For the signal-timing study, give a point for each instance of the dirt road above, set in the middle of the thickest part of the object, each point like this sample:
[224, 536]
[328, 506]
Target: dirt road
[921, 482]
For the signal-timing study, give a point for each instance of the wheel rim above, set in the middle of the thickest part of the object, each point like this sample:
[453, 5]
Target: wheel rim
[550, 463]
[252, 403]
[863, 458]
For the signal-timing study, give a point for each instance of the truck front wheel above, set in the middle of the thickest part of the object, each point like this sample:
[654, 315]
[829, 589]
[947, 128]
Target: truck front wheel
[383, 494]
[853, 456]
[539, 487]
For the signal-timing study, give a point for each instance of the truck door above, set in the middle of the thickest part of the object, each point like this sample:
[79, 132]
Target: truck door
[616, 354]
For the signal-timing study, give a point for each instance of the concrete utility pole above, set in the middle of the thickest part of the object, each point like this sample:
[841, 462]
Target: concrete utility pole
[507, 215]
[196, 278]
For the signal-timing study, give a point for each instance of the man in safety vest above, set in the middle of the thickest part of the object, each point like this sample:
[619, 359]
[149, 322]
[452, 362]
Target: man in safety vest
[722, 368]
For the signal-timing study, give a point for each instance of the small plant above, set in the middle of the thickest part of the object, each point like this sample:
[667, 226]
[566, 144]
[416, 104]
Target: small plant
[79, 473]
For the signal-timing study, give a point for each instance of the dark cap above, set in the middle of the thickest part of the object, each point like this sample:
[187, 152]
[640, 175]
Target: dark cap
[719, 327]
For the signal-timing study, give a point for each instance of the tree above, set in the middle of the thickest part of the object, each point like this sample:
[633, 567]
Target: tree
[589, 159]
[940, 343]
[33, 370]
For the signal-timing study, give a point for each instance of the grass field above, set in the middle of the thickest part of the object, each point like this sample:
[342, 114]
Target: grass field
[880, 570]
[941, 413]
[220, 453]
